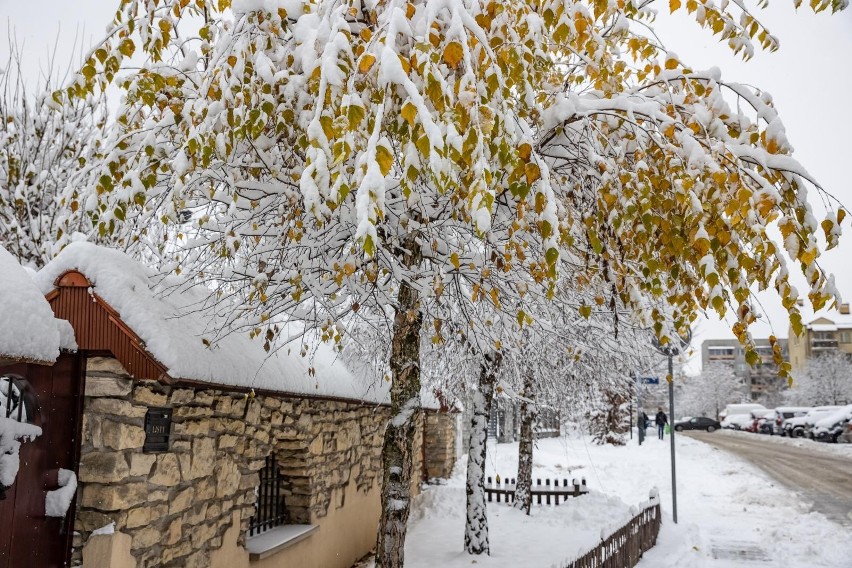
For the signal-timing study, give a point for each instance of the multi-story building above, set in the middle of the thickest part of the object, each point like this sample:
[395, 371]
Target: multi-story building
[824, 331]
[762, 379]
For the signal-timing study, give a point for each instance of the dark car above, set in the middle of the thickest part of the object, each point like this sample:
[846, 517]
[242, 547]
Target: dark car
[700, 423]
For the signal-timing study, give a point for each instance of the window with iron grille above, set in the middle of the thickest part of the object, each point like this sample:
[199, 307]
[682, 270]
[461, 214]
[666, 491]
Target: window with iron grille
[17, 399]
[270, 509]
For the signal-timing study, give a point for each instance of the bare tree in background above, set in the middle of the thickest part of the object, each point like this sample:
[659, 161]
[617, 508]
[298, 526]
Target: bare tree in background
[826, 379]
[42, 146]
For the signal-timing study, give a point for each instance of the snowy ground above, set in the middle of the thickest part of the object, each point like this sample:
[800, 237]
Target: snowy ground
[730, 514]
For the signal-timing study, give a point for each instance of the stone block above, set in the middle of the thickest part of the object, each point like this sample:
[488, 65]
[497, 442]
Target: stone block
[114, 497]
[173, 532]
[227, 441]
[182, 396]
[120, 436]
[105, 365]
[196, 514]
[87, 521]
[182, 501]
[201, 534]
[185, 412]
[146, 537]
[180, 549]
[147, 395]
[166, 471]
[227, 477]
[116, 407]
[140, 464]
[205, 490]
[138, 517]
[107, 386]
[103, 467]
[203, 458]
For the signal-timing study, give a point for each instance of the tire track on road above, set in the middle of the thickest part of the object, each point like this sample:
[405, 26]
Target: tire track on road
[823, 480]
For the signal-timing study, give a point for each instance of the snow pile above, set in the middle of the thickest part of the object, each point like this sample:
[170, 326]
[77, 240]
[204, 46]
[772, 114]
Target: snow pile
[167, 318]
[28, 330]
[12, 433]
[57, 502]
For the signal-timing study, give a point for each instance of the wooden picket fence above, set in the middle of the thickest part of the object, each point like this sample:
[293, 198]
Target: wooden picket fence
[624, 547]
[551, 493]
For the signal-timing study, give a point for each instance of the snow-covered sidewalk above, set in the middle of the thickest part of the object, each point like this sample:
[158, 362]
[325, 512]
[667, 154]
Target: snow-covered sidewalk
[730, 514]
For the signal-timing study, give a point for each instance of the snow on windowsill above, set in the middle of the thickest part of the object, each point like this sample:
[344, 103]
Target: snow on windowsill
[274, 540]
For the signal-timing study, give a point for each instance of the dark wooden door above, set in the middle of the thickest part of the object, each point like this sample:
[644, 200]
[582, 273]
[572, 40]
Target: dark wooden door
[27, 537]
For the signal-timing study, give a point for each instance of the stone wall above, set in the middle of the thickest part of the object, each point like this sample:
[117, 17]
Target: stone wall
[177, 505]
[440, 443]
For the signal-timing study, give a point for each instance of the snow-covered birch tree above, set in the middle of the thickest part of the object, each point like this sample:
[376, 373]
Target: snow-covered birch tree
[708, 393]
[351, 155]
[825, 380]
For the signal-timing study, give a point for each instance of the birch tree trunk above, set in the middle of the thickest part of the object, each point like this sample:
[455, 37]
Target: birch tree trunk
[399, 435]
[476, 529]
[529, 411]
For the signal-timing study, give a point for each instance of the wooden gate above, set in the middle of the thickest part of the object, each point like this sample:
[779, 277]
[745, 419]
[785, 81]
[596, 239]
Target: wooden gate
[27, 536]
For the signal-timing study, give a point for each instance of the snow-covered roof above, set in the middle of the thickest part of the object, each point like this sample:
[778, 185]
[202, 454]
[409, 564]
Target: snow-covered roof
[28, 330]
[166, 318]
[823, 319]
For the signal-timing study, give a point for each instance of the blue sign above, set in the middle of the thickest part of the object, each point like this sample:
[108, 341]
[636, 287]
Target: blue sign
[649, 380]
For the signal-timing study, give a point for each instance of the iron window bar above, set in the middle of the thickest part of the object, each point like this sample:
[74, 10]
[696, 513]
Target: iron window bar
[270, 509]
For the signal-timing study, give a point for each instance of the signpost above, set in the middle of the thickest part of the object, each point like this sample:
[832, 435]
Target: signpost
[670, 350]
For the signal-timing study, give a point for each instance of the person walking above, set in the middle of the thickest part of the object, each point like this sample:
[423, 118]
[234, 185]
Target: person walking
[661, 421]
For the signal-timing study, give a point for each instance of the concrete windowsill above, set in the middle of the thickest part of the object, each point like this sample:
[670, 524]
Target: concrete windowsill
[266, 544]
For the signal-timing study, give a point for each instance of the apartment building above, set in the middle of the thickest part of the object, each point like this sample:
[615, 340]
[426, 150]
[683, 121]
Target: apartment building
[824, 331]
[760, 379]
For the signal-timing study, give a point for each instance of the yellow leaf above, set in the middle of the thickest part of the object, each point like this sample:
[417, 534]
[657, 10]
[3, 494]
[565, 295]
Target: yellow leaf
[841, 214]
[532, 172]
[454, 260]
[366, 63]
[525, 151]
[385, 159]
[585, 311]
[409, 113]
[453, 54]
[674, 5]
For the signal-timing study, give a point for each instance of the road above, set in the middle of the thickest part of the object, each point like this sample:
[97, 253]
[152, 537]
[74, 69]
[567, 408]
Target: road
[823, 479]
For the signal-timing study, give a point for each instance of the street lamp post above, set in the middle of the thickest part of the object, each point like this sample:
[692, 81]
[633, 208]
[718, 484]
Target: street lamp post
[670, 350]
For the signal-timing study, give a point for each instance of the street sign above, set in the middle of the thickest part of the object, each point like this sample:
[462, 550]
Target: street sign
[649, 380]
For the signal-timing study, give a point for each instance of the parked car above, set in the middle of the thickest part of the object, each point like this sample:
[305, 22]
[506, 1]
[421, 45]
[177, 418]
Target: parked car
[758, 416]
[798, 427]
[831, 426]
[699, 423]
[745, 408]
[766, 424]
[785, 412]
[737, 421]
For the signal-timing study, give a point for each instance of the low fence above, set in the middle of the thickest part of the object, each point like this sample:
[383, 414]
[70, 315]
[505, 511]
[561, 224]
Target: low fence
[505, 490]
[624, 547]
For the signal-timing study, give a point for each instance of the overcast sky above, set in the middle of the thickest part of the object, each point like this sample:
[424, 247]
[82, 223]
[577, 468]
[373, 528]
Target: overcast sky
[810, 79]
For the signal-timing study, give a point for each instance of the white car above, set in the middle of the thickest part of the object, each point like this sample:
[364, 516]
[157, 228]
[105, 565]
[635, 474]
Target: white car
[798, 427]
[831, 425]
[737, 421]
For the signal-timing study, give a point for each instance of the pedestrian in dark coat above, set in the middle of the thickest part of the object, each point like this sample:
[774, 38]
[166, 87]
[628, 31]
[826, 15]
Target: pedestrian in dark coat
[661, 421]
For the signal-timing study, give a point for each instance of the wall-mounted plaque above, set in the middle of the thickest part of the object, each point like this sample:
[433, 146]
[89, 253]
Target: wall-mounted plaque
[158, 426]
